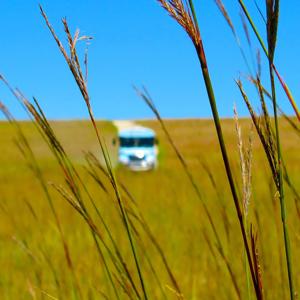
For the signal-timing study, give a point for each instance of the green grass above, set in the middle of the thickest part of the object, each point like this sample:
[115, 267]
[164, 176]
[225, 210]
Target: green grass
[168, 203]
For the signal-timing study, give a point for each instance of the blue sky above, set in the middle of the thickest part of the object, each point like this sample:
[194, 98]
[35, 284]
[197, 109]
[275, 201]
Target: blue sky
[135, 43]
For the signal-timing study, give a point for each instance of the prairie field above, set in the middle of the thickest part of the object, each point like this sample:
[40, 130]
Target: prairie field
[33, 259]
[217, 218]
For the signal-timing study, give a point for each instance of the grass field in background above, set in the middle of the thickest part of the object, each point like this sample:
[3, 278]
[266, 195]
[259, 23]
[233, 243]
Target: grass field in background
[168, 203]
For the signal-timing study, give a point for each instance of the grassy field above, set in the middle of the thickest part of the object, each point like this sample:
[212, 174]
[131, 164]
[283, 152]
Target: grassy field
[75, 225]
[32, 261]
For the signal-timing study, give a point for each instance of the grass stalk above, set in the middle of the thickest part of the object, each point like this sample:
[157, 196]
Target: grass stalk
[73, 181]
[29, 155]
[189, 22]
[93, 161]
[148, 100]
[272, 7]
[211, 96]
[245, 156]
[281, 191]
[75, 68]
[258, 36]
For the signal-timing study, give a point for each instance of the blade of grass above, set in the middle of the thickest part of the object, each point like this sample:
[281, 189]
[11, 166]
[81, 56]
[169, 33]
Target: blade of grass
[177, 10]
[272, 25]
[90, 157]
[283, 84]
[148, 100]
[75, 68]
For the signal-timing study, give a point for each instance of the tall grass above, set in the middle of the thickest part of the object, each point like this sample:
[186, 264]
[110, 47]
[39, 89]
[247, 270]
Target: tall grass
[73, 62]
[186, 17]
[129, 251]
[148, 100]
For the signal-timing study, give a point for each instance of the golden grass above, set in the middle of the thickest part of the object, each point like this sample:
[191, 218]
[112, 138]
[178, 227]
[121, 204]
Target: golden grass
[167, 201]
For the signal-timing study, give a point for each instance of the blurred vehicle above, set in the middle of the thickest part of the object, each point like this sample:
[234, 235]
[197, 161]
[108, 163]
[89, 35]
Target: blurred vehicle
[137, 148]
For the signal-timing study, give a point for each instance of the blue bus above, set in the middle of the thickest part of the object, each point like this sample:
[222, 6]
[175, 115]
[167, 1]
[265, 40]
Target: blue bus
[137, 148]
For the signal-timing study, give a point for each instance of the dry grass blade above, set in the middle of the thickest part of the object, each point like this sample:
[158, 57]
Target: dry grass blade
[290, 120]
[97, 234]
[5, 111]
[75, 68]
[258, 60]
[245, 27]
[224, 12]
[249, 158]
[148, 100]
[72, 61]
[272, 25]
[26, 150]
[182, 14]
[49, 296]
[23, 245]
[269, 135]
[226, 16]
[210, 175]
[245, 154]
[145, 96]
[175, 292]
[72, 178]
[256, 258]
[65, 195]
[288, 92]
[93, 161]
[190, 24]
[260, 12]
[31, 209]
[271, 145]
[260, 126]
[273, 12]
[47, 259]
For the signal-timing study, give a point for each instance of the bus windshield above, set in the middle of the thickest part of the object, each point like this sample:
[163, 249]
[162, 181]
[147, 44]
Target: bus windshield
[136, 142]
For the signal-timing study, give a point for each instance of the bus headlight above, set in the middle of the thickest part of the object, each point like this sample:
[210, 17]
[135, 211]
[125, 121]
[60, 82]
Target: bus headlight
[150, 159]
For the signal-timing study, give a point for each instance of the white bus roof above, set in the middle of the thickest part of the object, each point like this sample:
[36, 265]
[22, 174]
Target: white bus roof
[137, 132]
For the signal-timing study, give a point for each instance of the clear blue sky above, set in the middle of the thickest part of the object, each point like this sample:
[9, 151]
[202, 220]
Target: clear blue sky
[135, 42]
